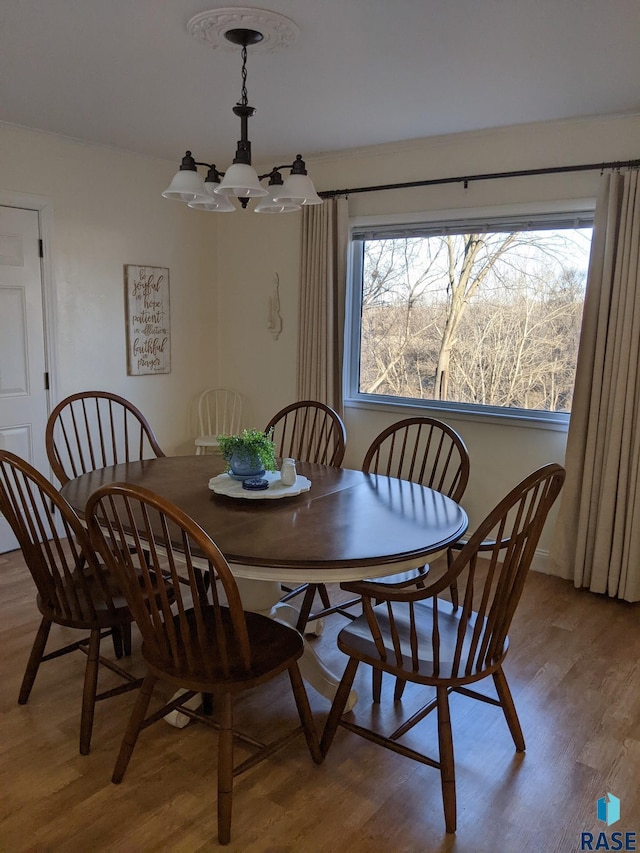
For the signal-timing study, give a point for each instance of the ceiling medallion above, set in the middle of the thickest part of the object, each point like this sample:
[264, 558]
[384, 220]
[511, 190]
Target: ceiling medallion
[241, 180]
[276, 30]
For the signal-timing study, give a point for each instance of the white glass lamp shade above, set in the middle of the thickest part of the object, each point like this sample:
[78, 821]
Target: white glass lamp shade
[268, 205]
[240, 180]
[216, 203]
[299, 189]
[185, 186]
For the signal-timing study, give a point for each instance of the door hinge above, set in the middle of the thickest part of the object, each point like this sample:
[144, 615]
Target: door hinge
[41, 248]
[46, 381]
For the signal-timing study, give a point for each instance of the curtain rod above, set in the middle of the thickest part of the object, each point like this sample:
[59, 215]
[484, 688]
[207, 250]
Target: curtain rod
[466, 179]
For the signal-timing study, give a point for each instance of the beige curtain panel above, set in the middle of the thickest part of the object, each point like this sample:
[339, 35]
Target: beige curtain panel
[325, 231]
[597, 538]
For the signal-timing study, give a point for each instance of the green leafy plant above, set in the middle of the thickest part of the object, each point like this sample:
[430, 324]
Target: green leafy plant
[247, 445]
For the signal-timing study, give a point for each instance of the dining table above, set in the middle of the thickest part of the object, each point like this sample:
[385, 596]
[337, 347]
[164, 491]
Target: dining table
[334, 525]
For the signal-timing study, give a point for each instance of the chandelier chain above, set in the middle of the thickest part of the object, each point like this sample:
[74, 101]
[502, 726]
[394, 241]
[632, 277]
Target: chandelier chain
[245, 97]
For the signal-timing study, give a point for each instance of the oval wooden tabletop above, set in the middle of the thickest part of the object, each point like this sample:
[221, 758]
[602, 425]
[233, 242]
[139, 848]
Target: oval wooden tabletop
[347, 521]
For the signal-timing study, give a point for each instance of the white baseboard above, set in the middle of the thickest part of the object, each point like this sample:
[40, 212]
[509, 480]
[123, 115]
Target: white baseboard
[540, 562]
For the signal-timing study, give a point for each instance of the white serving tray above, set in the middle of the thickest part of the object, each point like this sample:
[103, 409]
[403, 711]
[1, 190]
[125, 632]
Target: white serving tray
[223, 484]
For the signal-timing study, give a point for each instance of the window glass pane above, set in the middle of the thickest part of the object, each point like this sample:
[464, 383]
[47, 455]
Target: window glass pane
[487, 317]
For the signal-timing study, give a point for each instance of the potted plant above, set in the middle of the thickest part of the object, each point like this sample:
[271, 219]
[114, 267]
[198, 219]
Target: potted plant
[249, 453]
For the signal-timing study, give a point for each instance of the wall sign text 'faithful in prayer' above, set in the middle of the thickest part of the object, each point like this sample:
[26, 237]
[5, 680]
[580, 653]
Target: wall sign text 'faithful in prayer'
[148, 320]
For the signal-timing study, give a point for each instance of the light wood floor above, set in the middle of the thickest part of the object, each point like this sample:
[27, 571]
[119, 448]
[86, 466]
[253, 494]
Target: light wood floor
[574, 670]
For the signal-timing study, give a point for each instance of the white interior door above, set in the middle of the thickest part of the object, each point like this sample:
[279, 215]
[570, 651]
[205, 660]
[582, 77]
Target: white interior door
[23, 395]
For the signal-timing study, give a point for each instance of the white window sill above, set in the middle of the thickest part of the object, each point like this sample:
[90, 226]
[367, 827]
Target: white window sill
[556, 421]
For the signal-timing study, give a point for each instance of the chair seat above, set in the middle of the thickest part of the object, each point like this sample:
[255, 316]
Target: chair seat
[273, 648]
[408, 578]
[356, 641]
[206, 441]
[77, 613]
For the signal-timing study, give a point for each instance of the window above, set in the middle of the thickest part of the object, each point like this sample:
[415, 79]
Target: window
[469, 315]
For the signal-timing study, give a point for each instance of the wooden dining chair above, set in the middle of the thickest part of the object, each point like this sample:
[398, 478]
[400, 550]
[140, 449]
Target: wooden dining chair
[309, 431]
[74, 590]
[199, 642]
[419, 637]
[95, 429]
[430, 452]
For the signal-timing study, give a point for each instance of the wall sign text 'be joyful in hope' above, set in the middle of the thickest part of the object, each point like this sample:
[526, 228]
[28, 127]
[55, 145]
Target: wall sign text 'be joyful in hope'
[148, 320]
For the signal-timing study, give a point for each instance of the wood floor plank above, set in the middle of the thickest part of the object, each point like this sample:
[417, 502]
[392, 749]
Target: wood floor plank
[574, 670]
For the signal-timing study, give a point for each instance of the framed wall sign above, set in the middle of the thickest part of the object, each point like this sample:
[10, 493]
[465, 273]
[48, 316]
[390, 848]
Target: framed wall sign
[148, 320]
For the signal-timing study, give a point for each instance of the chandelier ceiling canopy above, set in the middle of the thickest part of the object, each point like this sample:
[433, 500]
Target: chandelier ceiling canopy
[255, 29]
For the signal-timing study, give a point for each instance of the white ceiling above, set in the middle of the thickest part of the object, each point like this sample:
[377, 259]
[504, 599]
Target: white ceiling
[126, 73]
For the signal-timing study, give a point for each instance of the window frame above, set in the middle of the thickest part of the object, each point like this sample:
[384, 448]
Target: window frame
[579, 212]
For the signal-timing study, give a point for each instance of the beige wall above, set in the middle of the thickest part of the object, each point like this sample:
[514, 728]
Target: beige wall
[254, 249]
[264, 369]
[108, 212]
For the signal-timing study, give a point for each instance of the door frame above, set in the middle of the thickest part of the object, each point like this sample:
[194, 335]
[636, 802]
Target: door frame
[44, 208]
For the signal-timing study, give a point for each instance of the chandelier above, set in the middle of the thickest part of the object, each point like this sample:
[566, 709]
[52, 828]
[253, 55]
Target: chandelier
[214, 193]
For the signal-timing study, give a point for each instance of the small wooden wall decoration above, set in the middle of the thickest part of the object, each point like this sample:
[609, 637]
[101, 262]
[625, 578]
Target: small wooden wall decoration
[148, 320]
[274, 320]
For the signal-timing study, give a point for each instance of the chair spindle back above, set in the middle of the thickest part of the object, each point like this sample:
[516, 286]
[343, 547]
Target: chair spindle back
[423, 450]
[219, 412]
[310, 432]
[95, 429]
[62, 564]
[167, 568]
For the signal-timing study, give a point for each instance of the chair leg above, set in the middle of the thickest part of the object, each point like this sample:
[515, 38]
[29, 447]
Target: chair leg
[126, 639]
[290, 593]
[509, 708]
[207, 704]
[35, 658]
[324, 595]
[453, 589]
[133, 727]
[304, 712]
[117, 639]
[447, 766]
[89, 691]
[225, 770]
[305, 610]
[337, 708]
[399, 689]
[376, 684]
